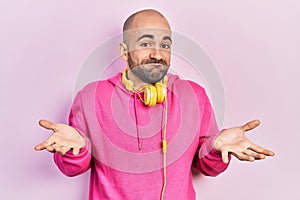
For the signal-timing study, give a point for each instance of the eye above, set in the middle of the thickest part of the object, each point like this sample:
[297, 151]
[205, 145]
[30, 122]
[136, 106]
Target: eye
[145, 44]
[166, 46]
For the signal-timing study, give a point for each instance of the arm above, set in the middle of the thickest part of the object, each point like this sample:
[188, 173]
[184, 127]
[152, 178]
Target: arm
[215, 148]
[68, 143]
[72, 165]
[207, 160]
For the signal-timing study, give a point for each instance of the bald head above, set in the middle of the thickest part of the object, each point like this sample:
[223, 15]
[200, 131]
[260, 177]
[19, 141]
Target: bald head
[146, 47]
[146, 19]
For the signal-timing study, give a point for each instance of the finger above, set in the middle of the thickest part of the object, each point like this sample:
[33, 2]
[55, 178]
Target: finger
[76, 151]
[44, 144]
[261, 150]
[250, 125]
[39, 147]
[255, 155]
[56, 147]
[225, 156]
[50, 149]
[243, 157]
[48, 125]
[64, 150]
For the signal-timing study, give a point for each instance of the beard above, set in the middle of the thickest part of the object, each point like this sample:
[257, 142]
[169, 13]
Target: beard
[149, 70]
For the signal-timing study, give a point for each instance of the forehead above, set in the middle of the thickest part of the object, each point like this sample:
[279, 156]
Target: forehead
[156, 33]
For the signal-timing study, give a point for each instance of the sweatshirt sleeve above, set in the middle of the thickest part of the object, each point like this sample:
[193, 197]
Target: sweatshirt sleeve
[69, 164]
[207, 160]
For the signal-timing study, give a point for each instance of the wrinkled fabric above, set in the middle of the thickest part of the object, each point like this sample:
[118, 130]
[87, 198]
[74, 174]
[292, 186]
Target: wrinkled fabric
[114, 121]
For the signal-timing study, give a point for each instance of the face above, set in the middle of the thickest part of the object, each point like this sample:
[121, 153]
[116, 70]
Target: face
[149, 53]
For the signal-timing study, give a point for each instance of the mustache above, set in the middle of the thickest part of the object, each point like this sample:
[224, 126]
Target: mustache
[153, 61]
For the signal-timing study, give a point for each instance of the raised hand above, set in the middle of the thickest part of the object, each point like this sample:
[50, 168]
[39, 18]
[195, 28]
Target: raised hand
[234, 141]
[63, 139]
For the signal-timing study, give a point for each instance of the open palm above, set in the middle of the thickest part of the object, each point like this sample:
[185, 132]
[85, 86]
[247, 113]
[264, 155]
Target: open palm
[234, 141]
[63, 139]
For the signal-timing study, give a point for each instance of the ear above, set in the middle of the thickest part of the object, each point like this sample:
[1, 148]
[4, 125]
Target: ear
[123, 49]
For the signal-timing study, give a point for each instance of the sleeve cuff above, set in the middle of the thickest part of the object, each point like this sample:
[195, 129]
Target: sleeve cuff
[82, 152]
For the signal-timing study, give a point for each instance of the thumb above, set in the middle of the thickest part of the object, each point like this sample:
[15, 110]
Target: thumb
[225, 156]
[47, 125]
[250, 125]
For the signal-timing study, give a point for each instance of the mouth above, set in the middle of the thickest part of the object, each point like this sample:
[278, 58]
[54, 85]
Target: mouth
[154, 65]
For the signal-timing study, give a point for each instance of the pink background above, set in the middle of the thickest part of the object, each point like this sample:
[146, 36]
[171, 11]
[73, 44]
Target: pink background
[254, 44]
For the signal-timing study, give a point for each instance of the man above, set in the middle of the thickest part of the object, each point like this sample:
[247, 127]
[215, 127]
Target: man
[142, 131]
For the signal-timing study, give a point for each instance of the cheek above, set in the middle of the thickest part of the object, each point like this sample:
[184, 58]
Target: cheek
[139, 55]
[167, 56]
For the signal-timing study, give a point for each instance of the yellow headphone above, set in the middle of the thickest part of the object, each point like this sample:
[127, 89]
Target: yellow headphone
[152, 93]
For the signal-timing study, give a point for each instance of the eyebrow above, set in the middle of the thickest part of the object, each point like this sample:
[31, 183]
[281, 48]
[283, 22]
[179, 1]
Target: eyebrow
[152, 37]
[145, 36]
[167, 38]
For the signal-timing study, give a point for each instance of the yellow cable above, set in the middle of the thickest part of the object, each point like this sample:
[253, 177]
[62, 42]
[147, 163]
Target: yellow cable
[164, 149]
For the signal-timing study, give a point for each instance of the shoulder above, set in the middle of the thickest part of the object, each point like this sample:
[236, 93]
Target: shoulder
[175, 82]
[100, 85]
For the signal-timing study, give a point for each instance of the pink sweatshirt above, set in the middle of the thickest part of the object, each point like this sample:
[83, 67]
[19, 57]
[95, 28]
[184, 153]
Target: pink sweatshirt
[115, 123]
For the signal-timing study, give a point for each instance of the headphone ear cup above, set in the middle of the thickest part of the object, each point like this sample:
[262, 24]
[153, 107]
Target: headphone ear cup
[161, 92]
[150, 96]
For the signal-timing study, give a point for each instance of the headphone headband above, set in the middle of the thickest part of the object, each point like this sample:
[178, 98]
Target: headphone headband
[152, 93]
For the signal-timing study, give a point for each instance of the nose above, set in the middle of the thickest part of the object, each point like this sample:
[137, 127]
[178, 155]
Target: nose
[156, 54]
